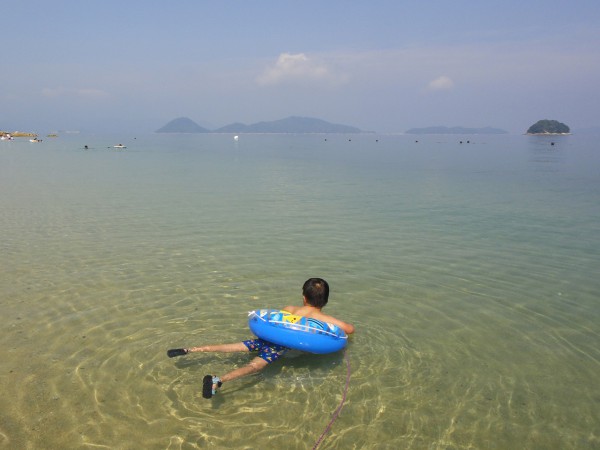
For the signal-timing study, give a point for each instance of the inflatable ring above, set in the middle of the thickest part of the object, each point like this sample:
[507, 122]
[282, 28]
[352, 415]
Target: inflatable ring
[296, 332]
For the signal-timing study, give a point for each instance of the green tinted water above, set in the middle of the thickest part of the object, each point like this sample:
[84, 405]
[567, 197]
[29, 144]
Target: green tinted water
[469, 270]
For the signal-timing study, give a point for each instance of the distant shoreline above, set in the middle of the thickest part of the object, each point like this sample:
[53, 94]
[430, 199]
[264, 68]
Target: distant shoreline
[18, 134]
[548, 134]
[455, 130]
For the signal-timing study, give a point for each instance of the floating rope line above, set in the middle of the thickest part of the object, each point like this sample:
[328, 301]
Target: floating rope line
[339, 408]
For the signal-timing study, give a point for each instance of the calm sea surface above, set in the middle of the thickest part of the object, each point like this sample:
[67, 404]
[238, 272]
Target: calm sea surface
[471, 272]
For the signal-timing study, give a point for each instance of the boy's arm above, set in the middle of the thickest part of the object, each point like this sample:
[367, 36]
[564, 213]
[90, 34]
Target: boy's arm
[347, 327]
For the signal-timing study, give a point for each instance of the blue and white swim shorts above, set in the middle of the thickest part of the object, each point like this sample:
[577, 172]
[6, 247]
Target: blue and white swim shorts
[266, 350]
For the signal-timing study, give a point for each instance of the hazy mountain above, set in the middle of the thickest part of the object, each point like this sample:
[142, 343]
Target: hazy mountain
[289, 125]
[182, 125]
[234, 128]
[456, 130]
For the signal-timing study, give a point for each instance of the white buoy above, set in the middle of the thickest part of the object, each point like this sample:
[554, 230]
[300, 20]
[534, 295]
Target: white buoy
[236, 138]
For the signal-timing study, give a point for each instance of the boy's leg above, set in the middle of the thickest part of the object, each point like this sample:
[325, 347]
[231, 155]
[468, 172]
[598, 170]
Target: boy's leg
[268, 353]
[256, 365]
[225, 348]
[210, 383]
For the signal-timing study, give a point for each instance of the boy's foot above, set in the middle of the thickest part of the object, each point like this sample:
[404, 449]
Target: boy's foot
[177, 352]
[210, 384]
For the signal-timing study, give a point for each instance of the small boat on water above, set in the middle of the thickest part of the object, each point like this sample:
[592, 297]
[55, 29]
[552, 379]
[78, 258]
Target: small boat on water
[119, 146]
[35, 140]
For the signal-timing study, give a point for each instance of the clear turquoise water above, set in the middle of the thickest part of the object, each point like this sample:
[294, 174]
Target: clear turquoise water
[471, 272]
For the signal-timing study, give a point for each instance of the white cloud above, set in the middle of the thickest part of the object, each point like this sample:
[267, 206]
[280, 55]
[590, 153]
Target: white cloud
[442, 83]
[82, 93]
[295, 67]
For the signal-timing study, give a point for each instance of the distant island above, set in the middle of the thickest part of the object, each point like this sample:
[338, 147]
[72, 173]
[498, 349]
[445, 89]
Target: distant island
[548, 127]
[455, 130]
[290, 125]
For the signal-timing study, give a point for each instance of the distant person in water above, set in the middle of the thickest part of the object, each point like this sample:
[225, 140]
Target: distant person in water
[315, 294]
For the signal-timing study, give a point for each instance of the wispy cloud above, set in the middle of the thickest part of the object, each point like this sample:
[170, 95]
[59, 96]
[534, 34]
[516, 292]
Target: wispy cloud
[74, 92]
[442, 83]
[296, 68]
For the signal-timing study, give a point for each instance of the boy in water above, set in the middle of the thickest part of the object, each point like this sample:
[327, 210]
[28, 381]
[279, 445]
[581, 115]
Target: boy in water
[315, 294]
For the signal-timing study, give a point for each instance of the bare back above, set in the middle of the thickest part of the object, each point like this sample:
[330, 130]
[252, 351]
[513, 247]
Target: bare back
[315, 313]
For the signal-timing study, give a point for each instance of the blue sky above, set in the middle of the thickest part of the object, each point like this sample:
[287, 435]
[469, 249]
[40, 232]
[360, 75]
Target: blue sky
[385, 66]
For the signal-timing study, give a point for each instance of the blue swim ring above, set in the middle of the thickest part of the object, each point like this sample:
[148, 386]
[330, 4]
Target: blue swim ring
[296, 332]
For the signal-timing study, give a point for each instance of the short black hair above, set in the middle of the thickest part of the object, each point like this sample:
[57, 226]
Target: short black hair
[316, 292]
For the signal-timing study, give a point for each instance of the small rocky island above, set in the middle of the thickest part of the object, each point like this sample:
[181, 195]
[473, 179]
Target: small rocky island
[548, 127]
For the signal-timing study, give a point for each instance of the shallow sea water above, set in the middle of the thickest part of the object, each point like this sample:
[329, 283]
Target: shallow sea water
[470, 271]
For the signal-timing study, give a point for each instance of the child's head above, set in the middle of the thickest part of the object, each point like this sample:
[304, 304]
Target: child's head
[316, 292]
